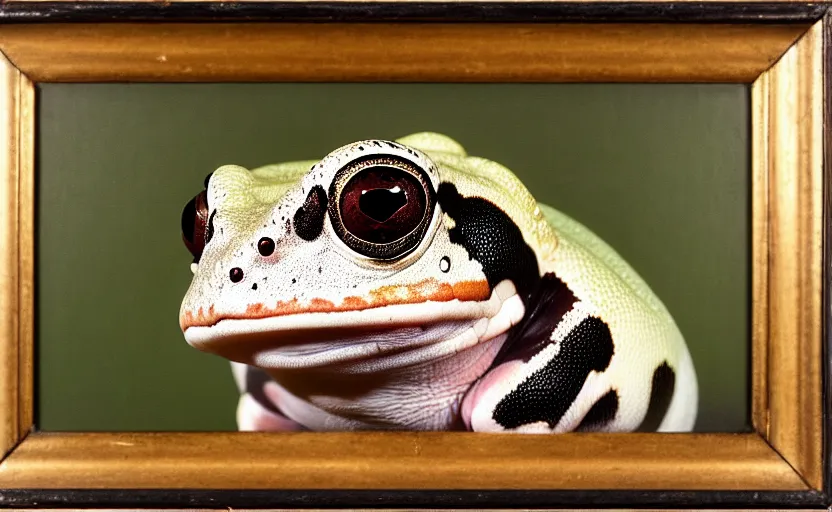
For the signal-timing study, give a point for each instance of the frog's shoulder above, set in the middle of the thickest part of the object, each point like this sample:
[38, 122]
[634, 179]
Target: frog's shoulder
[572, 231]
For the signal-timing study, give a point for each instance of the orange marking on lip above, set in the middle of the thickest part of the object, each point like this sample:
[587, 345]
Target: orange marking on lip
[255, 309]
[189, 319]
[471, 289]
[355, 303]
[423, 291]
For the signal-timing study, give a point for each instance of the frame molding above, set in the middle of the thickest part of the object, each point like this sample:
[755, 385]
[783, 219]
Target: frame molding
[389, 52]
[788, 148]
[781, 462]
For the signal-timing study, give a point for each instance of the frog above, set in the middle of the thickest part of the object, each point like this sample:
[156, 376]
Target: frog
[407, 285]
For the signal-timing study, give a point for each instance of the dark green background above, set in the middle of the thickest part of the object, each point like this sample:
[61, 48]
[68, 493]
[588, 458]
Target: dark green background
[659, 171]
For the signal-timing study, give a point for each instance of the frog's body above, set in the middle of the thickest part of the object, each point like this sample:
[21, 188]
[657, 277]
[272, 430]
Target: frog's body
[406, 285]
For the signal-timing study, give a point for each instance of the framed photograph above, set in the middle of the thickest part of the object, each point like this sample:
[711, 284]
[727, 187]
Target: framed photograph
[691, 137]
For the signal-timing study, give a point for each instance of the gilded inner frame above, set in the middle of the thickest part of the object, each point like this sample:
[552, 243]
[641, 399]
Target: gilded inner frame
[782, 62]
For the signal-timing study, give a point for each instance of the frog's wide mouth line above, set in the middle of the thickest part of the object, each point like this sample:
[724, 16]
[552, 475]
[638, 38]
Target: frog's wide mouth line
[381, 338]
[246, 337]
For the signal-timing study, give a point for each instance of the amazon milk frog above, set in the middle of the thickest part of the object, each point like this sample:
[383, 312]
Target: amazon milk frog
[408, 285]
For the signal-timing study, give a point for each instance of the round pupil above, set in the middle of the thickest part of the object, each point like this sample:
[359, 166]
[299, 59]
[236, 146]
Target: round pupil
[382, 204]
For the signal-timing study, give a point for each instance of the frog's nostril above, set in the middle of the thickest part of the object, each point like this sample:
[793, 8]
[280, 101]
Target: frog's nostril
[236, 275]
[265, 246]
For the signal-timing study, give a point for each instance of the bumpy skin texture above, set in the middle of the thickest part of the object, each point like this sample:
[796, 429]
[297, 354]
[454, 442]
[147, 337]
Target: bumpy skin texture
[497, 314]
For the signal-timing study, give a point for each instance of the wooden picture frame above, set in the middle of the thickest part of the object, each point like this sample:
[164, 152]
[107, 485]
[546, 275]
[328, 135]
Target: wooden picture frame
[782, 50]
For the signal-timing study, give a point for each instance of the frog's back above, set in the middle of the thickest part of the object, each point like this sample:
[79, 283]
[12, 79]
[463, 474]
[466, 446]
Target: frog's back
[576, 233]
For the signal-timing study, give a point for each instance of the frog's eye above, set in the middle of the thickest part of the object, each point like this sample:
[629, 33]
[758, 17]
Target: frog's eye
[196, 229]
[381, 206]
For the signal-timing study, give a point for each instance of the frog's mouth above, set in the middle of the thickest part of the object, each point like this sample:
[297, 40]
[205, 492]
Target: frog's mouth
[413, 332]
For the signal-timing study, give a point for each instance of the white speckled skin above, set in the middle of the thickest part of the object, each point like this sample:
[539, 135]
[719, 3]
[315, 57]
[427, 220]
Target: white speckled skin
[332, 340]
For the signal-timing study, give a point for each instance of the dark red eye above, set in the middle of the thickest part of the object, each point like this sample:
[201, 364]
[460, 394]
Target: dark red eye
[382, 206]
[196, 225]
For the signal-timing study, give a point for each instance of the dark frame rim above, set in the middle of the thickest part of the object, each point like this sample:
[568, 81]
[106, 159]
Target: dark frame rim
[416, 11]
[347, 499]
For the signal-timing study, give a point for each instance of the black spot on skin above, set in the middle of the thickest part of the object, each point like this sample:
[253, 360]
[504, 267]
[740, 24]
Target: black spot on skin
[601, 413]
[236, 275]
[309, 218]
[254, 286]
[294, 281]
[661, 392]
[360, 148]
[549, 392]
[210, 232]
[320, 269]
[550, 301]
[492, 238]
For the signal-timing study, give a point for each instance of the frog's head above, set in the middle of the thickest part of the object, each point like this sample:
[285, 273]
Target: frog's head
[379, 248]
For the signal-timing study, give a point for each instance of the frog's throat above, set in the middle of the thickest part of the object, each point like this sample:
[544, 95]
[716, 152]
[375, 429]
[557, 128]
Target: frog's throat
[353, 336]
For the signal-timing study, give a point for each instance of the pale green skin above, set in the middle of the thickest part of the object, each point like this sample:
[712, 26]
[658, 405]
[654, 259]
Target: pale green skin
[407, 394]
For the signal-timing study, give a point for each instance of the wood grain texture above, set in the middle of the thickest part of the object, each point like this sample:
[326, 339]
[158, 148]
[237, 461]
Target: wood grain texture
[26, 255]
[386, 460]
[794, 88]
[396, 52]
[760, 205]
[9, 284]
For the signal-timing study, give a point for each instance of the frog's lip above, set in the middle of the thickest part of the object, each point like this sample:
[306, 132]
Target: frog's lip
[252, 340]
[427, 290]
